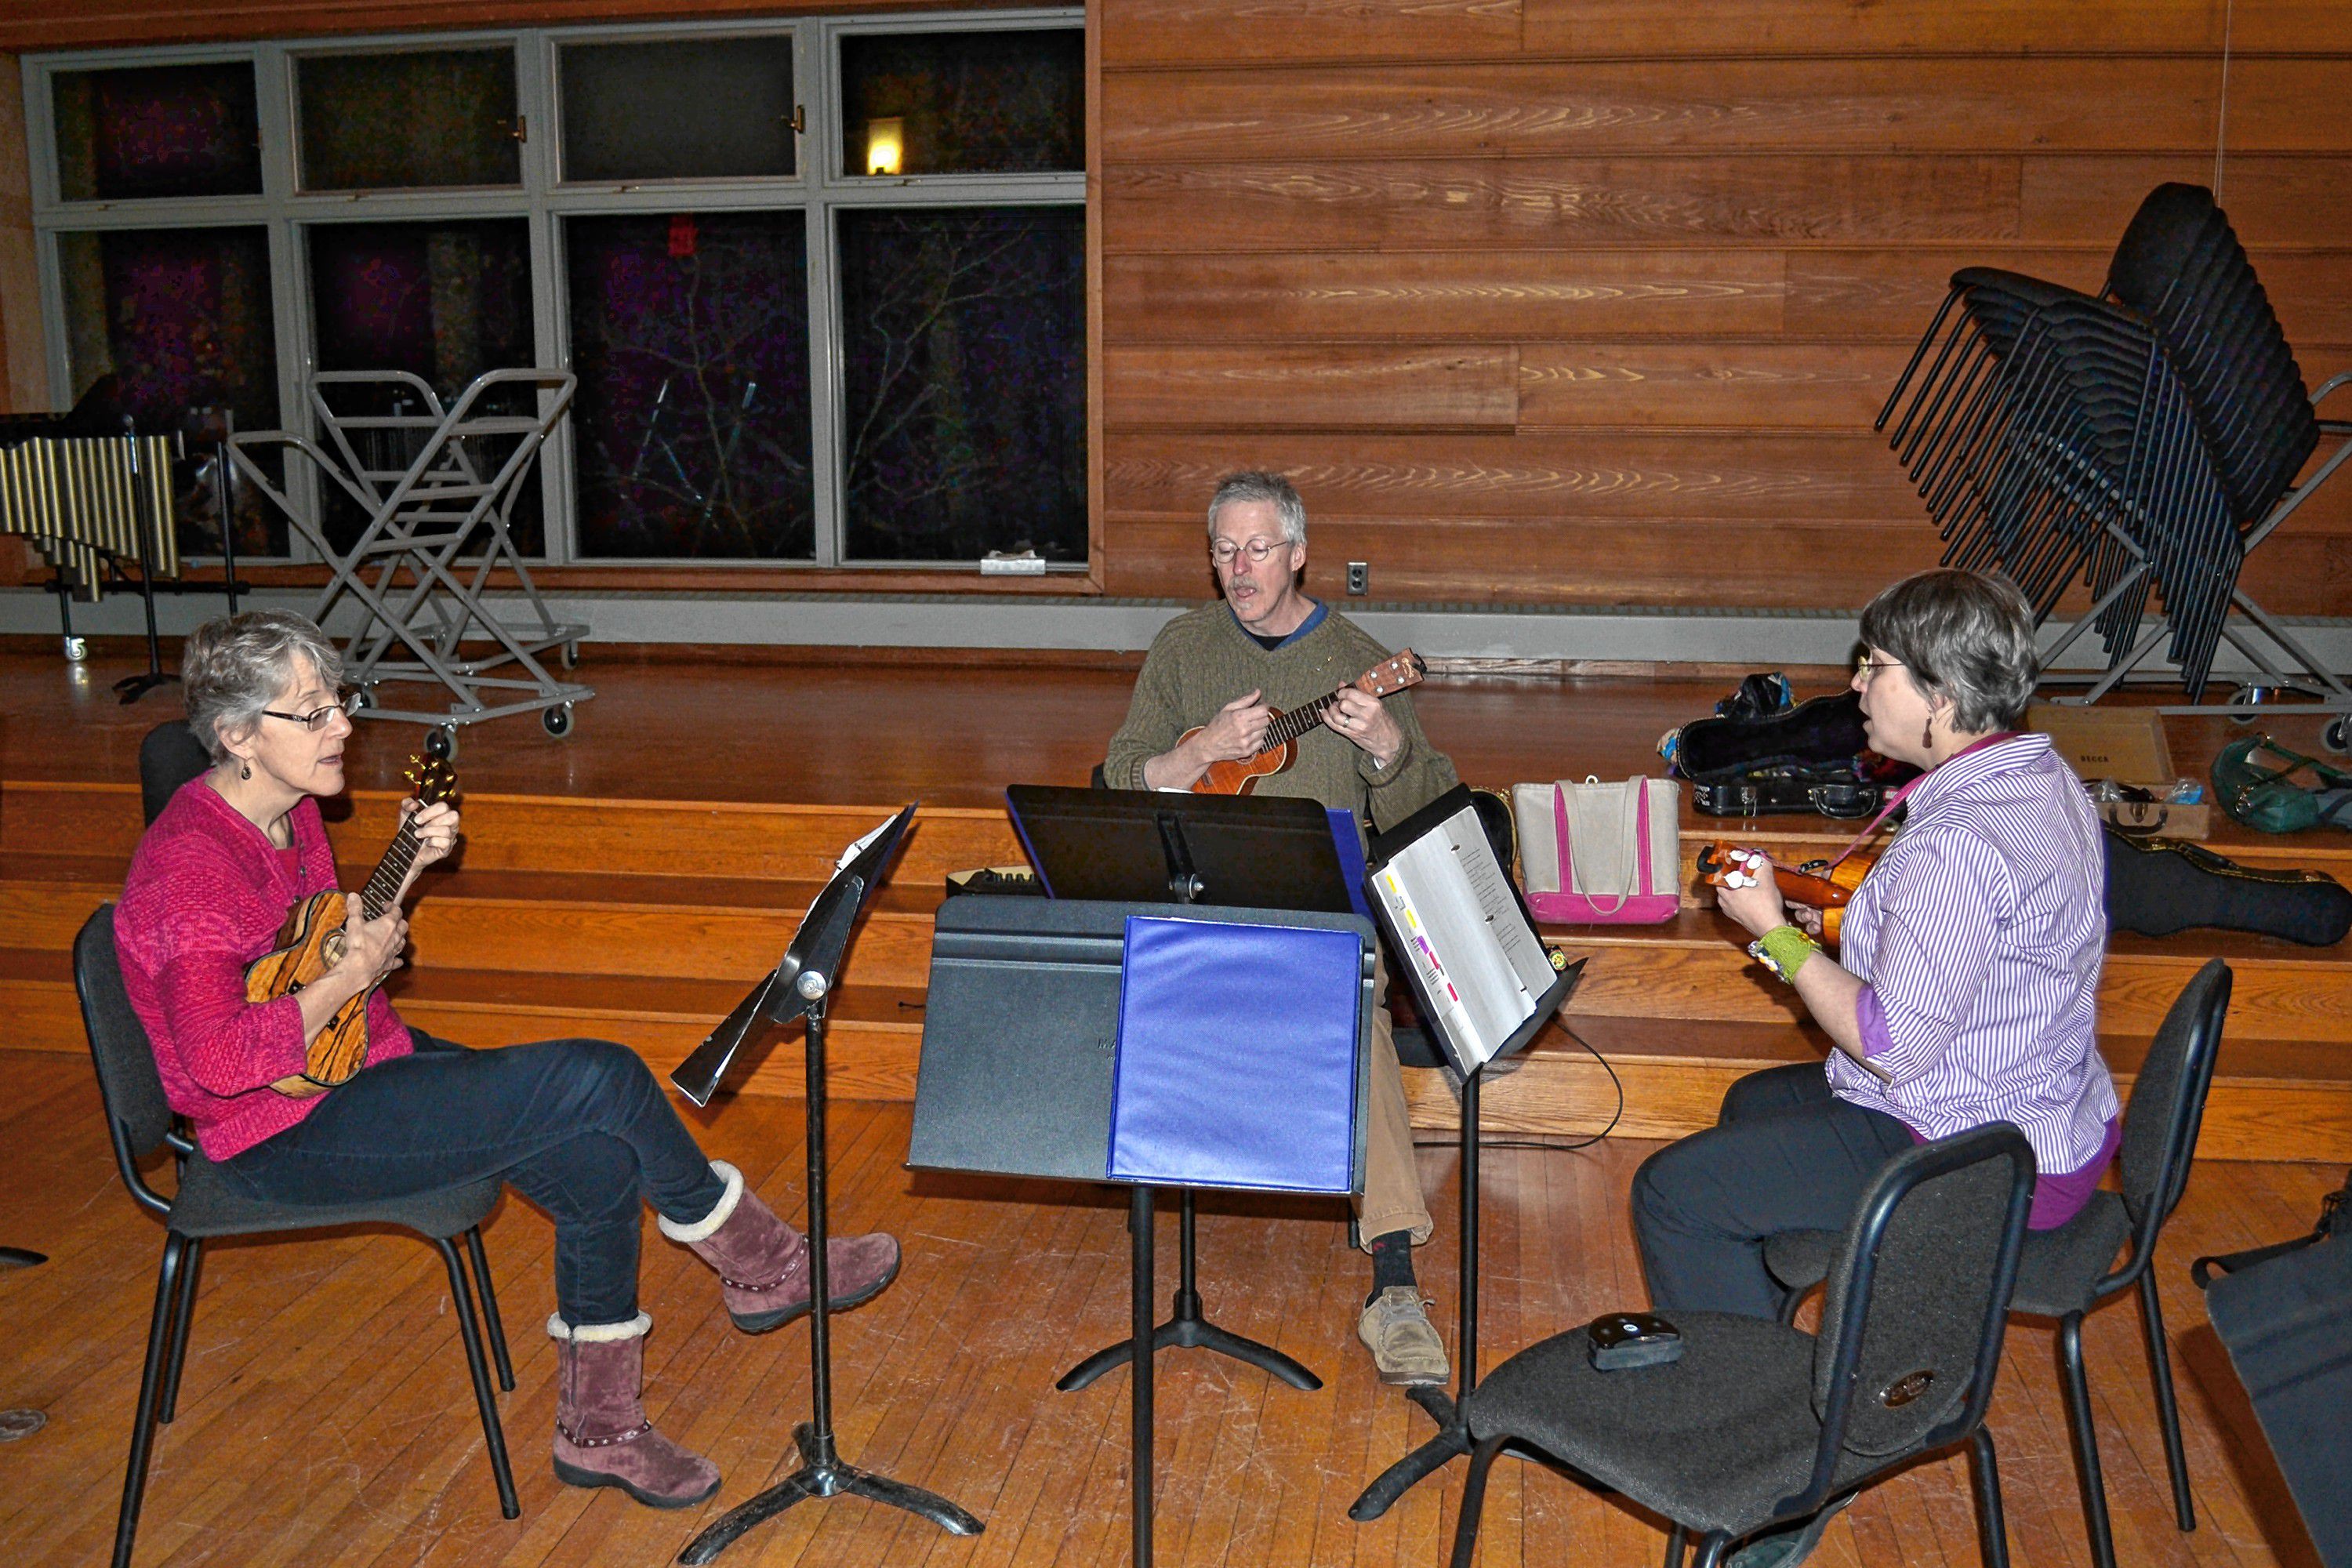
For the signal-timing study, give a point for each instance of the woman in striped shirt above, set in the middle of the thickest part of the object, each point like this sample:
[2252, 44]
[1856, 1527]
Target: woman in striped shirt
[1965, 986]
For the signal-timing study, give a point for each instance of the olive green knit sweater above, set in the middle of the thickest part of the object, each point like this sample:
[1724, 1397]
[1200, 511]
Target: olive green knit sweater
[1202, 660]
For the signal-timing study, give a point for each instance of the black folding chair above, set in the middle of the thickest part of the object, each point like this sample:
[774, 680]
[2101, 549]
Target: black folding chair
[2064, 1273]
[208, 1205]
[1762, 1425]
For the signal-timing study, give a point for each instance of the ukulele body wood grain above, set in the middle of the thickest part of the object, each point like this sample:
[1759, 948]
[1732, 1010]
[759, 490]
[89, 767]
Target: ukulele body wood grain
[311, 941]
[307, 946]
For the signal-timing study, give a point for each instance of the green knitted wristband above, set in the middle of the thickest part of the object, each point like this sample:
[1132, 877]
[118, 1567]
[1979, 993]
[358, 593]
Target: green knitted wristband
[1784, 950]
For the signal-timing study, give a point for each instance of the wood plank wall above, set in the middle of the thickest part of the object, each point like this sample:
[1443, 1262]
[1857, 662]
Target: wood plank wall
[1592, 301]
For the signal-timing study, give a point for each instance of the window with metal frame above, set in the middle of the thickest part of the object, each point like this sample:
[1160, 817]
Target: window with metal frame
[822, 282]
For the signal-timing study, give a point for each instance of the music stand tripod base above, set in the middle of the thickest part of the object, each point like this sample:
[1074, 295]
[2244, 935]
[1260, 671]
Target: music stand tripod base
[1187, 1328]
[821, 1475]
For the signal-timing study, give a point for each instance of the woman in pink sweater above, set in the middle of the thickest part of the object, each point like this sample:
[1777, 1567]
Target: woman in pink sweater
[578, 1127]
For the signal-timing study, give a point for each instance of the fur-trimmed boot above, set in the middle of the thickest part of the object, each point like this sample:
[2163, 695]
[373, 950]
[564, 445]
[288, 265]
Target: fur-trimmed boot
[763, 1263]
[602, 1435]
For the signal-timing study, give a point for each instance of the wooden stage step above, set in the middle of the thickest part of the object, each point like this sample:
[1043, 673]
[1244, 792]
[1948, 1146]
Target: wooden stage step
[645, 920]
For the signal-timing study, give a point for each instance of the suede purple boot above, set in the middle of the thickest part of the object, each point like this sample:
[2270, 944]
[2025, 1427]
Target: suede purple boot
[602, 1435]
[763, 1263]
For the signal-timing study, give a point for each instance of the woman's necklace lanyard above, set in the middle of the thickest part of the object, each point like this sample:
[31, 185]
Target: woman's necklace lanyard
[1867, 834]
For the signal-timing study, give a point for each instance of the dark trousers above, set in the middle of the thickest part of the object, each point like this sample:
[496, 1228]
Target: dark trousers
[579, 1127]
[1784, 1154]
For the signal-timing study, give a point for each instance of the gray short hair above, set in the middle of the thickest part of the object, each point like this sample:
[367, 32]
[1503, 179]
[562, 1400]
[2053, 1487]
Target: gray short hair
[233, 667]
[1254, 485]
[1965, 636]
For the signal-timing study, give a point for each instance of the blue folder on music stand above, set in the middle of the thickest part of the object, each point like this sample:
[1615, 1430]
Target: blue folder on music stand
[1237, 1056]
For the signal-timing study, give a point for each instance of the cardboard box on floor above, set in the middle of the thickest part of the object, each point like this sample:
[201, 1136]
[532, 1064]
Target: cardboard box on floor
[2125, 744]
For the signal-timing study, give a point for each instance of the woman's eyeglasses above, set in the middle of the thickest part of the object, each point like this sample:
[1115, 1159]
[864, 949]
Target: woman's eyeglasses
[347, 700]
[1865, 666]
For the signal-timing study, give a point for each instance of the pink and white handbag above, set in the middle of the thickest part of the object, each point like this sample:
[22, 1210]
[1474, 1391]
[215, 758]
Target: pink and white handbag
[1601, 853]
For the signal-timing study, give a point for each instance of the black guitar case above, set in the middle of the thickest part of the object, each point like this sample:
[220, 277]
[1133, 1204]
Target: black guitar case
[1751, 760]
[2284, 1314]
[2159, 885]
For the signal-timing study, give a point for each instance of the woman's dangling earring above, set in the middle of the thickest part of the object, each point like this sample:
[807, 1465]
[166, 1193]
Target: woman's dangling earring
[244, 769]
[1927, 732]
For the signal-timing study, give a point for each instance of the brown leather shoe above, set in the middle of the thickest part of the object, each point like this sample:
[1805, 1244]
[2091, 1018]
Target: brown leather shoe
[602, 1435]
[763, 1263]
[1395, 1329]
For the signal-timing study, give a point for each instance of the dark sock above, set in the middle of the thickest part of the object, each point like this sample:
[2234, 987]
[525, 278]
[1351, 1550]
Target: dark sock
[1392, 1262]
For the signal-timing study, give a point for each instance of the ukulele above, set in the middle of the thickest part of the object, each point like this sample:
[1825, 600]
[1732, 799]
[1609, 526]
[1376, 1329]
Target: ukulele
[1279, 749]
[1825, 886]
[311, 939]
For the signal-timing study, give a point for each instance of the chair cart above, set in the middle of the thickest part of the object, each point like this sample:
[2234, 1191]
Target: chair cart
[438, 487]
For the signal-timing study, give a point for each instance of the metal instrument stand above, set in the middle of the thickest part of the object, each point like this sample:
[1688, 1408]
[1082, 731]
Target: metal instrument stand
[131, 687]
[822, 1472]
[1185, 1325]
[1452, 1439]
[798, 989]
[23, 1421]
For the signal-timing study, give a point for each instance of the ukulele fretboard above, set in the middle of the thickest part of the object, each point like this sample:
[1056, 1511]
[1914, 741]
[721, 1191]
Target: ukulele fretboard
[383, 888]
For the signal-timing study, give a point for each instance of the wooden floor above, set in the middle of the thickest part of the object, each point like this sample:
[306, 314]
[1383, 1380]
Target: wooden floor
[326, 1418]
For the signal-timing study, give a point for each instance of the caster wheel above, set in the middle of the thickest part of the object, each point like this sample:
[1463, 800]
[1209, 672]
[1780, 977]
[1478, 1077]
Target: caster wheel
[2337, 736]
[2244, 695]
[361, 699]
[556, 720]
[442, 744]
[568, 655]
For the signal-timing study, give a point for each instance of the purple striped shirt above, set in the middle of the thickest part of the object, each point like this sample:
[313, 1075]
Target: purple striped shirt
[1979, 934]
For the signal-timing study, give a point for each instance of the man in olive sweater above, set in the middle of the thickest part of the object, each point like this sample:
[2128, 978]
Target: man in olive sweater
[1223, 669]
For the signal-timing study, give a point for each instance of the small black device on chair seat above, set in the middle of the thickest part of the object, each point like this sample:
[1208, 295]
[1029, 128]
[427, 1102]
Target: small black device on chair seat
[1621, 1340]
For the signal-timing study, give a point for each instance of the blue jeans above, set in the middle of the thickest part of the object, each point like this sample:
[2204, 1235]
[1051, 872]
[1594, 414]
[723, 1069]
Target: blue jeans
[579, 1127]
[1784, 1154]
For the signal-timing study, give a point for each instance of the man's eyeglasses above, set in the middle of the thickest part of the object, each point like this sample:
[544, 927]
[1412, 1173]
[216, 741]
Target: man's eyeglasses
[1224, 550]
[347, 700]
[1865, 666]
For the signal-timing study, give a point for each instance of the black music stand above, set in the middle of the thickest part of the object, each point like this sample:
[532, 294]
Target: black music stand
[1452, 1438]
[798, 989]
[22, 1422]
[1166, 846]
[1017, 1073]
[131, 687]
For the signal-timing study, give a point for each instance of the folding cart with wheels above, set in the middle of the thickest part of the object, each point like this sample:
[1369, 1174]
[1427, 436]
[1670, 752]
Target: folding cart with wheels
[438, 487]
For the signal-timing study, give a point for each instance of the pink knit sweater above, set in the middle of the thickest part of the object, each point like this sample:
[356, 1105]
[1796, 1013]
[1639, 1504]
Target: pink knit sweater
[206, 895]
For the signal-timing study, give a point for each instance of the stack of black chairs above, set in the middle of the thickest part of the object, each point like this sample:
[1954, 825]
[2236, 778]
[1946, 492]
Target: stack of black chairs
[2145, 439]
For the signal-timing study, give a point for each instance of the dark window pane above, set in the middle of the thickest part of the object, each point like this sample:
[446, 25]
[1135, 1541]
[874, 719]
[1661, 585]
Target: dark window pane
[710, 110]
[689, 334]
[965, 363]
[438, 117]
[157, 130]
[182, 318]
[444, 301]
[964, 103]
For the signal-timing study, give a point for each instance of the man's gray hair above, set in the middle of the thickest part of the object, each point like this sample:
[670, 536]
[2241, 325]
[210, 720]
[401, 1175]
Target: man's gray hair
[1254, 485]
[233, 667]
[1965, 636]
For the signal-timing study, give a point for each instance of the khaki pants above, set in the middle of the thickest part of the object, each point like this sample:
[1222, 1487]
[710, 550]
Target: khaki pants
[1392, 1198]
